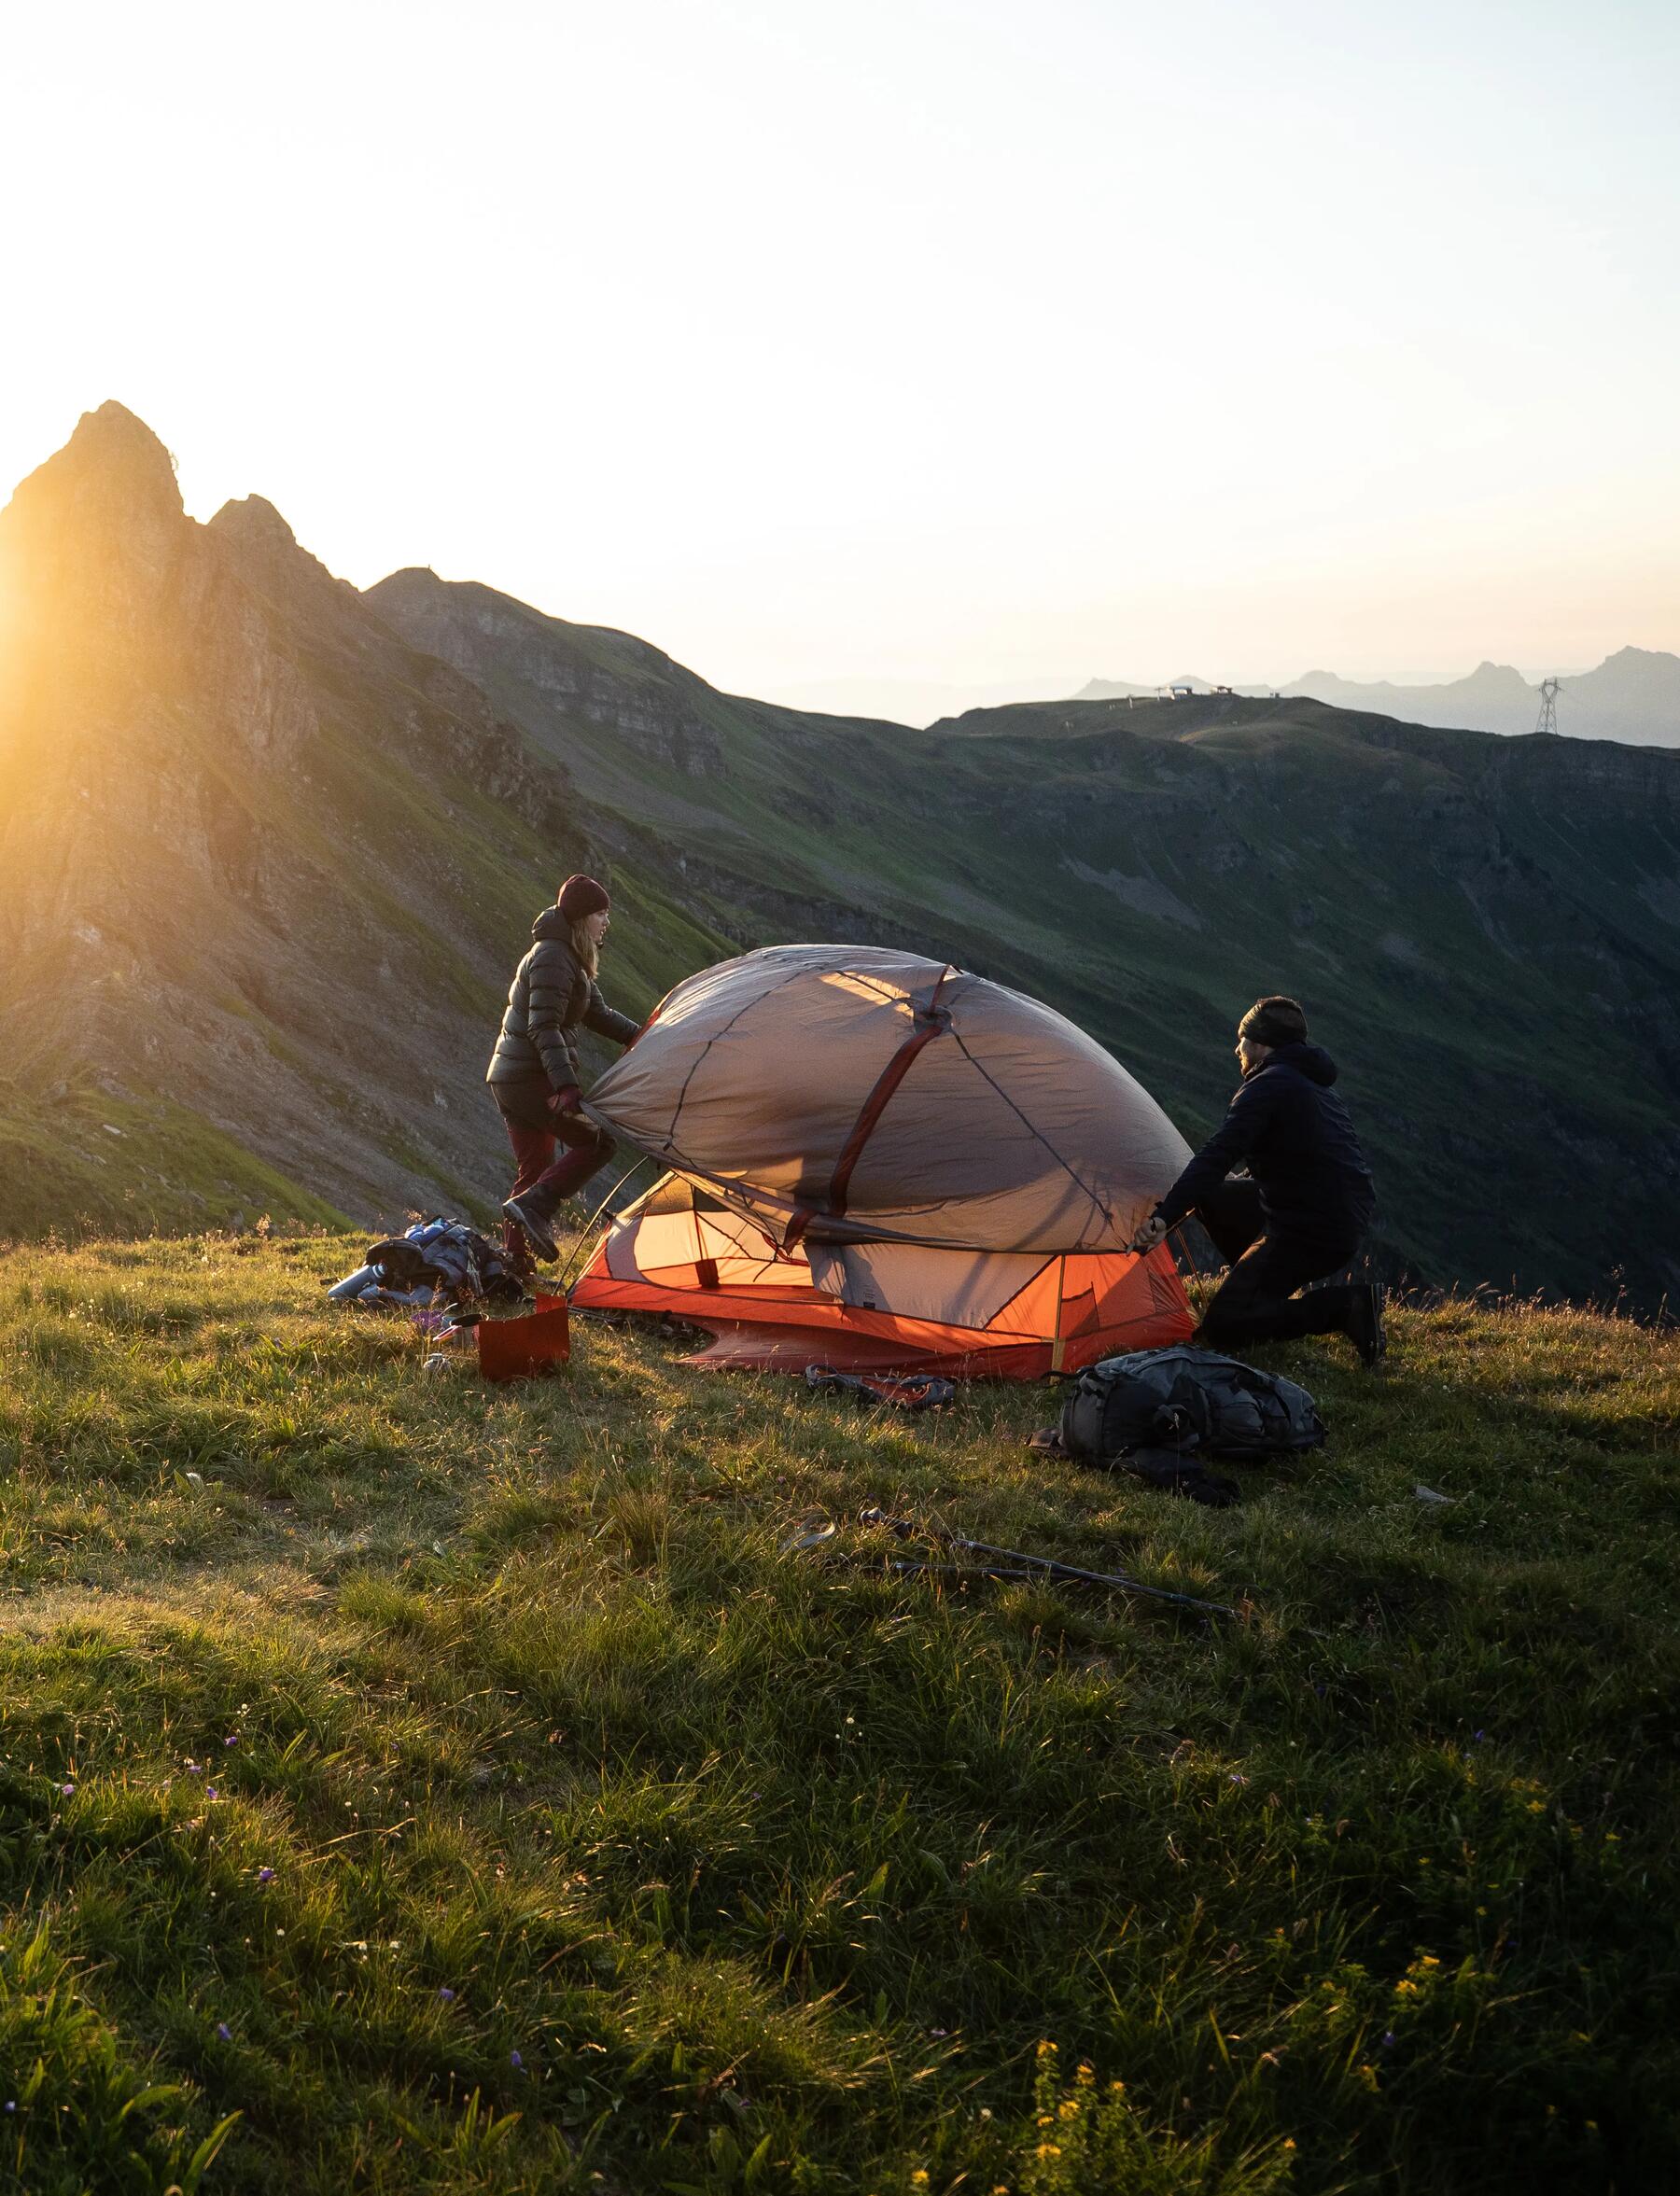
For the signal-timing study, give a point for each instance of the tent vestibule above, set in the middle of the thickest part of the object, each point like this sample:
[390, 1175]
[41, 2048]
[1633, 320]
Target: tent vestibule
[683, 1251]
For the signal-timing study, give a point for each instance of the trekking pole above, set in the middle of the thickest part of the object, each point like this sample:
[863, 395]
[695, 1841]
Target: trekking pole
[1047, 1566]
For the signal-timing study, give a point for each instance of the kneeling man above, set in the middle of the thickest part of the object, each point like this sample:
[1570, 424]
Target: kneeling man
[1305, 1209]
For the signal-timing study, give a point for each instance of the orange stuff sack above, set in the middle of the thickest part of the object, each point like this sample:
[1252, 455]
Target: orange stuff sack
[521, 1349]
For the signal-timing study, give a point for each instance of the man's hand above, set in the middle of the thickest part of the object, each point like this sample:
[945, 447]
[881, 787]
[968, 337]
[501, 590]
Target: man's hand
[1153, 1231]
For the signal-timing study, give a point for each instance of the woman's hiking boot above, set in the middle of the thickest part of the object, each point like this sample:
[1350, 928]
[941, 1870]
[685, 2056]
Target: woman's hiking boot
[1364, 1328]
[532, 1215]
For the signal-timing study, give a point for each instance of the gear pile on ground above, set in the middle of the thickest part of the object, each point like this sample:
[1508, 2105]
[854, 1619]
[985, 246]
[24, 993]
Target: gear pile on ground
[436, 1262]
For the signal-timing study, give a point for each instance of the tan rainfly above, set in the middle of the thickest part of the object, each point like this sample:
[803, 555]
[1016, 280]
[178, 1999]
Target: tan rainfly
[878, 1153]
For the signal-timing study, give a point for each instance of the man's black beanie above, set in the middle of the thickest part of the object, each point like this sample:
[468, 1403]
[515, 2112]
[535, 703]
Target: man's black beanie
[1274, 1021]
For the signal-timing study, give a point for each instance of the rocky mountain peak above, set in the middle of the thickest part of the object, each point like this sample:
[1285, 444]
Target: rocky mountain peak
[112, 465]
[254, 519]
[100, 528]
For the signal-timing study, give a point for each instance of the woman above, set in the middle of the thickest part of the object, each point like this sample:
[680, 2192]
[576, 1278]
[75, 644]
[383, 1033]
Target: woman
[534, 1075]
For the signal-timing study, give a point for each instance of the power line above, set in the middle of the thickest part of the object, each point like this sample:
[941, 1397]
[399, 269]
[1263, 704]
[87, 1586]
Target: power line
[1549, 706]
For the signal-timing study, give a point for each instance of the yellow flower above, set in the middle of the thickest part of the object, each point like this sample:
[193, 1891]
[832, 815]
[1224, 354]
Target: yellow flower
[918, 2179]
[1048, 2150]
[1068, 2108]
[1046, 2049]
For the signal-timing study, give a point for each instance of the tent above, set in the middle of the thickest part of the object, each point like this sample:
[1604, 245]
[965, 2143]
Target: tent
[881, 1160]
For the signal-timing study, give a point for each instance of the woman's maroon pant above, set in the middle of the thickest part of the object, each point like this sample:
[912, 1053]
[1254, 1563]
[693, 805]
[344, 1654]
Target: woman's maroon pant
[584, 1150]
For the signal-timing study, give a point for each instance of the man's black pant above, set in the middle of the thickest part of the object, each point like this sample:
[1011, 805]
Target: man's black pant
[1256, 1300]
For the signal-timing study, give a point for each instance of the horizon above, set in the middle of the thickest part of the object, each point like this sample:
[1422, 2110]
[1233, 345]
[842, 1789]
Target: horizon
[881, 354]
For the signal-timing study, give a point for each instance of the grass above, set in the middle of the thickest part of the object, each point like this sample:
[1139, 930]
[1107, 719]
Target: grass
[407, 1784]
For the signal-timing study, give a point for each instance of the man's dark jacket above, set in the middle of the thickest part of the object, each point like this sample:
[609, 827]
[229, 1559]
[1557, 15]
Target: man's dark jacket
[1298, 1142]
[552, 994]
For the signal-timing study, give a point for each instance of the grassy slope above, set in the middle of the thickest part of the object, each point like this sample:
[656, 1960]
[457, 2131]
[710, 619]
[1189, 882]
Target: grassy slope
[1469, 923]
[748, 1873]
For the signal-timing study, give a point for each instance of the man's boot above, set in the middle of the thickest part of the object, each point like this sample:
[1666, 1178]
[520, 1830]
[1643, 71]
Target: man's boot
[534, 1213]
[1363, 1324]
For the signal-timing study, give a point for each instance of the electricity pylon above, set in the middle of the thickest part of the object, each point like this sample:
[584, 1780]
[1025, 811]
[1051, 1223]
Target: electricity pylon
[1549, 706]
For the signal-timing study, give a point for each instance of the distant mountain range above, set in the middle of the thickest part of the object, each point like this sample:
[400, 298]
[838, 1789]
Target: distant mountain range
[1634, 696]
[269, 849]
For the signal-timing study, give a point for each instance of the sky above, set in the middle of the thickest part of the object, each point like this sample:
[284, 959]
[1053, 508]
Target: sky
[907, 345]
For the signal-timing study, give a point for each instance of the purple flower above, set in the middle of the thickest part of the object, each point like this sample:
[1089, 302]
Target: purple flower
[515, 2061]
[225, 2033]
[447, 1994]
[211, 1792]
[231, 1741]
[66, 1789]
[1388, 2040]
[265, 1875]
[195, 1768]
[1479, 1734]
[1237, 1777]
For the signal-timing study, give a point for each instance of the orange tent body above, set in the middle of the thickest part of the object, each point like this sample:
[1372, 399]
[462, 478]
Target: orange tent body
[876, 1306]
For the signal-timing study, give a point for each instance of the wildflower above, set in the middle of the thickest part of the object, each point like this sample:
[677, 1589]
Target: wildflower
[1048, 2150]
[1068, 2108]
[1046, 2049]
[918, 2179]
[211, 1792]
[265, 1875]
[231, 1741]
[1238, 1778]
[194, 1768]
[939, 2031]
[11, 2104]
[1478, 1736]
[66, 1789]
[447, 1994]
[515, 2061]
[225, 2033]
[1388, 2038]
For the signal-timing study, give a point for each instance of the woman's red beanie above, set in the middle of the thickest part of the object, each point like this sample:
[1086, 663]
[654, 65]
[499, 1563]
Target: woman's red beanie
[580, 896]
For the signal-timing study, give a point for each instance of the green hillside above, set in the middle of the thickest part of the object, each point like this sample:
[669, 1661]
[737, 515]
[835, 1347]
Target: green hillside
[264, 873]
[270, 849]
[410, 1785]
[1485, 931]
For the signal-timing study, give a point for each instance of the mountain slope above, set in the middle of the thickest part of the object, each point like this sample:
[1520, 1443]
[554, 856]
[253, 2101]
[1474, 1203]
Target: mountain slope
[263, 867]
[269, 849]
[1632, 697]
[1488, 931]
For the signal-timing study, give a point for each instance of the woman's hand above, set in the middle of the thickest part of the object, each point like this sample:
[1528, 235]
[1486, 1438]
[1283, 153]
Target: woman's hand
[565, 1100]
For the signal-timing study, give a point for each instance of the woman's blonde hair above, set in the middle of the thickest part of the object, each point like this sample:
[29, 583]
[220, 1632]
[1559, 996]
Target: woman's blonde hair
[587, 951]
